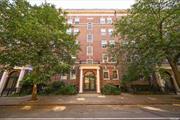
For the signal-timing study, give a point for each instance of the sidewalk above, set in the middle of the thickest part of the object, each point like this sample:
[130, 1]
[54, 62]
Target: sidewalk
[92, 99]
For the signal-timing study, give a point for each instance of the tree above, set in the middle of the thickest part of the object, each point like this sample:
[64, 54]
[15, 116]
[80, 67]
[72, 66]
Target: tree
[35, 36]
[150, 34]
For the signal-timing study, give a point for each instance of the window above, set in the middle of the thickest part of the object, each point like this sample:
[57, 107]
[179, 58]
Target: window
[103, 31]
[89, 38]
[63, 76]
[69, 31]
[89, 26]
[89, 50]
[103, 43]
[115, 74]
[109, 20]
[76, 31]
[104, 58]
[112, 43]
[70, 21]
[72, 74]
[76, 20]
[110, 31]
[90, 61]
[106, 74]
[102, 21]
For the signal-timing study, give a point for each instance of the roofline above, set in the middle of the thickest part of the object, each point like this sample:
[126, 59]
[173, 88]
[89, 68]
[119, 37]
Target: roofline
[96, 11]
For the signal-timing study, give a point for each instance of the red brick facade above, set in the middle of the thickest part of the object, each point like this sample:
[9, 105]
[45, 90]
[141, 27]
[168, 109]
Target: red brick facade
[95, 30]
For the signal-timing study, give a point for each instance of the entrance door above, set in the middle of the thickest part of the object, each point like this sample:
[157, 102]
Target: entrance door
[10, 86]
[90, 83]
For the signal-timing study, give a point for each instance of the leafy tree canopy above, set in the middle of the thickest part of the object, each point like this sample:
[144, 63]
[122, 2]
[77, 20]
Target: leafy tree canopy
[35, 36]
[150, 34]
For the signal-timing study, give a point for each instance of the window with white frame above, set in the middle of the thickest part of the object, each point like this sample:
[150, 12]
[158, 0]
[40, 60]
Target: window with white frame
[109, 20]
[76, 31]
[104, 58]
[89, 37]
[73, 74]
[69, 31]
[102, 21]
[89, 50]
[106, 74]
[103, 43]
[110, 31]
[90, 61]
[63, 76]
[103, 31]
[115, 74]
[70, 21]
[112, 43]
[77, 20]
[89, 26]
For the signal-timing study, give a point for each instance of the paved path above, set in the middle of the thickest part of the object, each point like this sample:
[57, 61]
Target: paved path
[92, 99]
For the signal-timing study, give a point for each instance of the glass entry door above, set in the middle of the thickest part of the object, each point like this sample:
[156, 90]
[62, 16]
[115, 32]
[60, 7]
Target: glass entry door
[89, 83]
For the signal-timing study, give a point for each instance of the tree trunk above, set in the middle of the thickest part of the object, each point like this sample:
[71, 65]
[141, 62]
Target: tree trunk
[34, 92]
[175, 70]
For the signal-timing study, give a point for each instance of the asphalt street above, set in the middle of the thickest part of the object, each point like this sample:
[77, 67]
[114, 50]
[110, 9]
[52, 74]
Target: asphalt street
[89, 112]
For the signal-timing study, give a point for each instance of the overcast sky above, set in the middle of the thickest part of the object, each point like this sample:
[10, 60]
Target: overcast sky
[88, 4]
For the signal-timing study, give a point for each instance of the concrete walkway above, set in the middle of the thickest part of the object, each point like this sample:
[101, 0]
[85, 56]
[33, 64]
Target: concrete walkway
[92, 99]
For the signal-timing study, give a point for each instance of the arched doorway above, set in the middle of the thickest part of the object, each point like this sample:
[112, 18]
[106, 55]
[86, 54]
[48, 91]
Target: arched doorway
[10, 85]
[89, 81]
[168, 82]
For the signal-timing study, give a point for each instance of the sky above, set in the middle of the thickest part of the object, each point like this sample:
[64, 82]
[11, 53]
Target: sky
[87, 4]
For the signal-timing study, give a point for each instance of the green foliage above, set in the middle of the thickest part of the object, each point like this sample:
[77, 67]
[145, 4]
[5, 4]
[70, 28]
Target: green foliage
[59, 88]
[110, 89]
[35, 36]
[67, 90]
[150, 34]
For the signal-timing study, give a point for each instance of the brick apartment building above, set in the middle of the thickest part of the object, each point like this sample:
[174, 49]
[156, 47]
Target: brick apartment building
[94, 66]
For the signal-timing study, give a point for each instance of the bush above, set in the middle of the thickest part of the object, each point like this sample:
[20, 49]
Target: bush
[67, 90]
[110, 90]
[60, 88]
[53, 87]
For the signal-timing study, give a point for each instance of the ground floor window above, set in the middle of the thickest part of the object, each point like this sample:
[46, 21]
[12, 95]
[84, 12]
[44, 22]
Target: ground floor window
[72, 74]
[63, 76]
[115, 74]
[106, 74]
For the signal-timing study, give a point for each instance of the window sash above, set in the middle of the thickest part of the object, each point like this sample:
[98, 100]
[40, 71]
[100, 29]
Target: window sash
[70, 21]
[115, 74]
[89, 50]
[102, 20]
[109, 20]
[106, 74]
[89, 37]
[77, 20]
[89, 26]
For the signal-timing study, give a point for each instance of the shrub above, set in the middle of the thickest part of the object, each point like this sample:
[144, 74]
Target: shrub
[67, 90]
[54, 87]
[110, 90]
[60, 88]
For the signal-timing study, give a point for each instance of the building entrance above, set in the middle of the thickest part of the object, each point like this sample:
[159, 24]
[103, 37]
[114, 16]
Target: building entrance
[89, 81]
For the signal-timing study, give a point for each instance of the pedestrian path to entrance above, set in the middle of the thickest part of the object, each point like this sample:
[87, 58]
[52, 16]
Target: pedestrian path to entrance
[93, 99]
